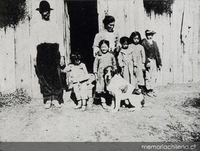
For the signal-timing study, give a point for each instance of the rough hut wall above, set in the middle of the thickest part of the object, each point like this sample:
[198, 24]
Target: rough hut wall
[181, 63]
[180, 56]
[16, 67]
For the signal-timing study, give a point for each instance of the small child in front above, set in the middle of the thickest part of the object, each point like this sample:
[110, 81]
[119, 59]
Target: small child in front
[79, 78]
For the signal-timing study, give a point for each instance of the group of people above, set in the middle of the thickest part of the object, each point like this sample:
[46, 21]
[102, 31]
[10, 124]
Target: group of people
[136, 60]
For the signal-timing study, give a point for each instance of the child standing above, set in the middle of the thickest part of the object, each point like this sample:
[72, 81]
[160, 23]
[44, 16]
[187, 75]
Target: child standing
[139, 54]
[79, 78]
[101, 61]
[127, 64]
[153, 61]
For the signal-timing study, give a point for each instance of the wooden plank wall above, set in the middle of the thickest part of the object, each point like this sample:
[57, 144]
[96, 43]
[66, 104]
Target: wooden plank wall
[180, 57]
[16, 67]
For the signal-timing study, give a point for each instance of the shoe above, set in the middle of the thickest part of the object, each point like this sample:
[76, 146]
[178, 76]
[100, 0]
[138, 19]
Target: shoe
[83, 108]
[134, 109]
[150, 94]
[136, 91]
[154, 94]
[78, 106]
[104, 106]
[47, 105]
[56, 103]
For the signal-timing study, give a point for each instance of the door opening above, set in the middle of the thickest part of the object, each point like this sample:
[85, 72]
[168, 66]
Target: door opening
[83, 27]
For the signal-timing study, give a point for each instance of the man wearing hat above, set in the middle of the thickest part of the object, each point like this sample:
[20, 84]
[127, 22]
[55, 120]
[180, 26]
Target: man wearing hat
[48, 56]
[153, 61]
[107, 34]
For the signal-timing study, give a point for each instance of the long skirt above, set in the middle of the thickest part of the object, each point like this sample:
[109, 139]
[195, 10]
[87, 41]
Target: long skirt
[48, 71]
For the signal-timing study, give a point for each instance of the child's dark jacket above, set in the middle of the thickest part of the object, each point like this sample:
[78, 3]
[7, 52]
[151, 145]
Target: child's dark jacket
[152, 52]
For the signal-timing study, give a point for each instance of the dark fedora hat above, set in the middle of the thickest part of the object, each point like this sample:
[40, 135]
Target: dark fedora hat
[44, 6]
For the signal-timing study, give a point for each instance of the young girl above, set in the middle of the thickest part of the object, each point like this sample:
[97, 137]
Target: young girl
[139, 54]
[126, 60]
[153, 61]
[100, 62]
[79, 78]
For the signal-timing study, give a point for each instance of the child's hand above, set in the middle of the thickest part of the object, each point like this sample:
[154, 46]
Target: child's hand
[159, 68]
[135, 71]
[62, 61]
[99, 53]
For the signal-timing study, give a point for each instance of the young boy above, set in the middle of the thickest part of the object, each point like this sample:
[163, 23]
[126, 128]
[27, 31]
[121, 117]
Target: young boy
[153, 61]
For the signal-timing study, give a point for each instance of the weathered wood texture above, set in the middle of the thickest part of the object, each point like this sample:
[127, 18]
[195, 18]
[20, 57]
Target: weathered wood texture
[177, 35]
[16, 67]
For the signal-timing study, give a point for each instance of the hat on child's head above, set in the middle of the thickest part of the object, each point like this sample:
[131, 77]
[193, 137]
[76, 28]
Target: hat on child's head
[44, 6]
[150, 32]
[108, 19]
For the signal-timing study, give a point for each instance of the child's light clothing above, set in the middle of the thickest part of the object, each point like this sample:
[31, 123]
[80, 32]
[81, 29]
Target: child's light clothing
[127, 62]
[139, 55]
[100, 63]
[79, 77]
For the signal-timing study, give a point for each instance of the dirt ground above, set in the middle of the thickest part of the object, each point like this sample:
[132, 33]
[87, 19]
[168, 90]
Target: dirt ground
[173, 116]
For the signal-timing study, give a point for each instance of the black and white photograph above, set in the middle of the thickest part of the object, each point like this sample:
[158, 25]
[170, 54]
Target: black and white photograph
[93, 71]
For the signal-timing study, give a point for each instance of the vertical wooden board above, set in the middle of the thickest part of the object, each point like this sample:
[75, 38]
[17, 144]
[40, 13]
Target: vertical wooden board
[186, 32]
[190, 64]
[8, 83]
[195, 54]
[173, 42]
[158, 26]
[66, 32]
[169, 48]
[131, 24]
[125, 24]
[102, 11]
[22, 58]
[198, 58]
[117, 9]
[178, 43]
[2, 42]
[198, 76]
[139, 15]
[35, 15]
[165, 51]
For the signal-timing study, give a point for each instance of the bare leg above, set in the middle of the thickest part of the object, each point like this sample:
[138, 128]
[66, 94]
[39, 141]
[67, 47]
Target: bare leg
[83, 104]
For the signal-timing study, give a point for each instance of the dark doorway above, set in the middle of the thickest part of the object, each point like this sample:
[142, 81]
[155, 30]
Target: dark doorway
[83, 27]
